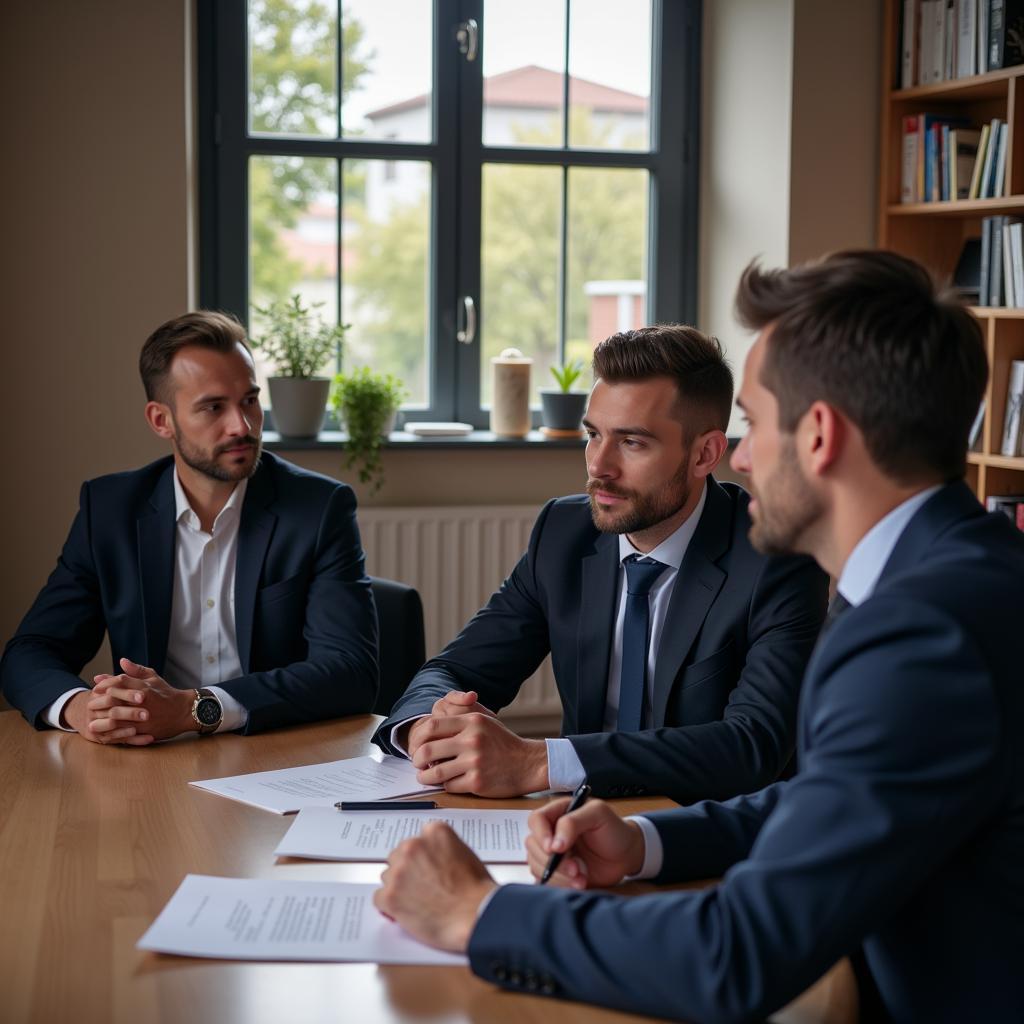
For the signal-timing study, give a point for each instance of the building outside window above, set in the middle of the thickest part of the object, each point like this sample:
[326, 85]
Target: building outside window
[517, 173]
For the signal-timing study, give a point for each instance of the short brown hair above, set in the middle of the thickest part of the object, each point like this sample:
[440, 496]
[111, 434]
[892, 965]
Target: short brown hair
[692, 359]
[872, 333]
[207, 328]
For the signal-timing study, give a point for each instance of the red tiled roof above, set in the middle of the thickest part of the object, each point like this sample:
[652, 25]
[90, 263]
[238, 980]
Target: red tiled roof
[538, 88]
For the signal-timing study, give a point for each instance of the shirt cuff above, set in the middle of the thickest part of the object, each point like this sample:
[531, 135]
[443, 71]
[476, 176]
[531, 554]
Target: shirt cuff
[654, 852]
[235, 716]
[51, 716]
[395, 745]
[486, 902]
[565, 770]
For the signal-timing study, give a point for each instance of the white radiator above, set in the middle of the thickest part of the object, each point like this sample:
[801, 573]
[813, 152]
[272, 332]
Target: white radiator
[456, 558]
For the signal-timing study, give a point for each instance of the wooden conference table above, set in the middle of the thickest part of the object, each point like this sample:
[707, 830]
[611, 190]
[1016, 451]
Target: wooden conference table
[94, 840]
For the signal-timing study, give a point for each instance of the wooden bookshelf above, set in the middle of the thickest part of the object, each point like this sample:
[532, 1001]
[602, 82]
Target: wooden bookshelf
[934, 233]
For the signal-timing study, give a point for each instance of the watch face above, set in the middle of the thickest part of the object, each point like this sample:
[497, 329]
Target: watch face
[208, 711]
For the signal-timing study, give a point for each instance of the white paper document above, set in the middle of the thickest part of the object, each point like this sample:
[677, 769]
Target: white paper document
[319, 785]
[496, 837]
[257, 919]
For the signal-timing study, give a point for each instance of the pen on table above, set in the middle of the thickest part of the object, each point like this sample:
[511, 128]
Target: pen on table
[579, 798]
[386, 805]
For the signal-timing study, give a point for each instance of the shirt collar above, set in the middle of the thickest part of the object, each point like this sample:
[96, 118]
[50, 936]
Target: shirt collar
[184, 511]
[672, 549]
[860, 575]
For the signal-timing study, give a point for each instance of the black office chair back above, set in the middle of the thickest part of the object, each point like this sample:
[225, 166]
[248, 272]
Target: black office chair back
[401, 639]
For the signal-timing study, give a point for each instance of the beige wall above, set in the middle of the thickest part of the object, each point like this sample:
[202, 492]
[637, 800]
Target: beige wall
[789, 158]
[97, 231]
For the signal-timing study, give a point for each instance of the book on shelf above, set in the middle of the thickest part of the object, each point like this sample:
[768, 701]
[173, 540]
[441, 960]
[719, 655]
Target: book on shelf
[966, 39]
[974, 437]
[979, 162]
[1009, 290]
[1005, 33]
[983, 8]
[1016, 232]
[1012, 421]
[963, 150]
[988, 168]
[999, 175]
[1009, 505]
[949, 41]
[996, 288]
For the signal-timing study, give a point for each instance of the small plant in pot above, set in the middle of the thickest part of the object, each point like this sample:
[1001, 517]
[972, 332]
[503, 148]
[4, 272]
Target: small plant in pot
[561, 407]
[367, 403]
[299, 343]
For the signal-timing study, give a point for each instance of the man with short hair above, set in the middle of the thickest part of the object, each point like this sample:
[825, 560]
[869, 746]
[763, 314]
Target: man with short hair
[900, 840]
[677, 649]
[231, 583]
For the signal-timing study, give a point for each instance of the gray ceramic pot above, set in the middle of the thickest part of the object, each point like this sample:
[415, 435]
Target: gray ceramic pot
[299, 405]
[562, 410]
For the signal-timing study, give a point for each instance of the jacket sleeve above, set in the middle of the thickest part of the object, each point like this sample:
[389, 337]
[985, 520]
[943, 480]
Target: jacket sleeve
[61, 632]
[752, 743]
[903, 751]
[339, 673]
[499, 648]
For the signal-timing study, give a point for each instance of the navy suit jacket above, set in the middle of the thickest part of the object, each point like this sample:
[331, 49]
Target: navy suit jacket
[304, 616]
[736, 640]
[903, 831]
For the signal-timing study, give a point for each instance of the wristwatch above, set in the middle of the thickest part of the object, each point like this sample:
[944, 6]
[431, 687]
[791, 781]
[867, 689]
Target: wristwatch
[207, 712]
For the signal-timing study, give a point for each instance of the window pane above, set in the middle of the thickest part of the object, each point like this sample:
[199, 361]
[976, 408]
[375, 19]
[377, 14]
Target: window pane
[293, 88]
[387, 70]
[606, 271]
[293, 240]
[610, 74]
[520, 248]
[524, 72]
[386, 269]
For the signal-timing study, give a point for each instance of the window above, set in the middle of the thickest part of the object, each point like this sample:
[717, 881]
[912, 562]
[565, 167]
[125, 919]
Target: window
[451, 178]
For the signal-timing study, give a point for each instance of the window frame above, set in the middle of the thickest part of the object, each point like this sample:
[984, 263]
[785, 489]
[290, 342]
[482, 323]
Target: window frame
[457, 156]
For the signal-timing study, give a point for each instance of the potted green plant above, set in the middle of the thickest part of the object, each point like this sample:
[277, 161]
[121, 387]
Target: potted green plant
[299, 343]
[367, 403]
[561, 407]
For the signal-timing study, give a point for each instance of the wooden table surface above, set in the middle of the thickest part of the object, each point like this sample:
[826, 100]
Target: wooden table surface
[94, 841]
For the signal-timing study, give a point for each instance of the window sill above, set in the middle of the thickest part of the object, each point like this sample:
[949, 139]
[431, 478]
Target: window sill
[399, 439]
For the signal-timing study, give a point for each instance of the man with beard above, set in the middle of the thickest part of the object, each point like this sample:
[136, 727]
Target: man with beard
[230, 582]
[900, 840]
[677, 649]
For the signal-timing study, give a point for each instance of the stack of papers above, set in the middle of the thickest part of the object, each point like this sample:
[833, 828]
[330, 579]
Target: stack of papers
[288, 790]
[496, 837]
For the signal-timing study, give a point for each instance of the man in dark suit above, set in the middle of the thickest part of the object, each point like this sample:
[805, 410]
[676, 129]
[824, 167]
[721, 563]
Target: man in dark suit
[682, 683]
[231, 585]
[900, 841]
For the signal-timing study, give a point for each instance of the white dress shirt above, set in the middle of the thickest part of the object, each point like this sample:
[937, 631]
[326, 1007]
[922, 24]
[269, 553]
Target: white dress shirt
[202, 649]
[857, 583]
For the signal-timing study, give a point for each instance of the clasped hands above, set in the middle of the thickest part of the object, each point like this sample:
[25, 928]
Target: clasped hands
[434, 884]
[463, 747]
[135, 708]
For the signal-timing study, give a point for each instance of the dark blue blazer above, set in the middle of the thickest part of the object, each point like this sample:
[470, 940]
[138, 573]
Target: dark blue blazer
[736, 640]
[304, 615]
[903, 831]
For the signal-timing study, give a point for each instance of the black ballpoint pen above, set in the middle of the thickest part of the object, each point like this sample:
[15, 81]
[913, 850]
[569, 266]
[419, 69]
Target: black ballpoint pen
[579, 798]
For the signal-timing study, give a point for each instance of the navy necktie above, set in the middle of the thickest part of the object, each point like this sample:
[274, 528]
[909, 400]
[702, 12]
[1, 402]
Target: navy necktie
[836, 607]
[640, 577]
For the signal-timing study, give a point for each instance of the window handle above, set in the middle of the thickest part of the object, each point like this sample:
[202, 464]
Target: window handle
[467, 334]
[467, 35]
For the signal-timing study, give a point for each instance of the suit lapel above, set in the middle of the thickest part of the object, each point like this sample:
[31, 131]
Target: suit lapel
[255, 528]
[598, 593]
[156, 540]
[697, 585]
